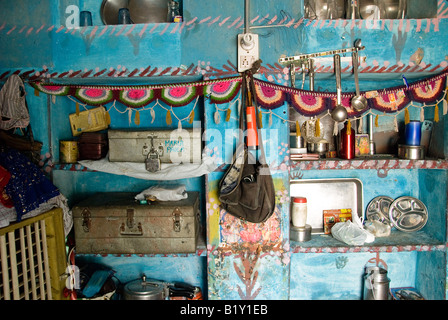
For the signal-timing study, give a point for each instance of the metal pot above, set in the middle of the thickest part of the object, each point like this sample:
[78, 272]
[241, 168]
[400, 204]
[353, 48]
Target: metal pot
[376, 284]
[320, 147]
[411, 152]
[142, 290]
[296, 141]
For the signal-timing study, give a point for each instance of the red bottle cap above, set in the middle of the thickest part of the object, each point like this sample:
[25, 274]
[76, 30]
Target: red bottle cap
[299, 200]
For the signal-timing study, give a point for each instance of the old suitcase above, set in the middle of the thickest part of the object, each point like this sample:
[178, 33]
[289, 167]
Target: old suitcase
[92, 146]
[117, 224]
[173, 146]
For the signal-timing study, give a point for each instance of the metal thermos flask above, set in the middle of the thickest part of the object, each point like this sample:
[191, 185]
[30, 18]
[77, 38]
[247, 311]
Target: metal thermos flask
[347, 142]
[376, 284]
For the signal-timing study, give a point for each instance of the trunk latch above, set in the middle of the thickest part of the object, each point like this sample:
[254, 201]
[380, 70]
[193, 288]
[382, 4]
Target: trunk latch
[177, 214]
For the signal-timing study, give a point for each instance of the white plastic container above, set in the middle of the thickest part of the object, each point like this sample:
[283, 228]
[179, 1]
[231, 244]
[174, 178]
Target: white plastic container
[299, 212]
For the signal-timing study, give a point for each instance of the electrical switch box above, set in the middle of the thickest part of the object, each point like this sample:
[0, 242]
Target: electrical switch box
[248, 51]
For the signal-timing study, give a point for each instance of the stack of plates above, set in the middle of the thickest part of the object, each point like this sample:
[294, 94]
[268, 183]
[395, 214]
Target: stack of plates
[404, 213]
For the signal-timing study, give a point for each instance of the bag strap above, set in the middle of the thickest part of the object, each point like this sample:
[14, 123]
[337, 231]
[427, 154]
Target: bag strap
[241, 111]
[251, 83]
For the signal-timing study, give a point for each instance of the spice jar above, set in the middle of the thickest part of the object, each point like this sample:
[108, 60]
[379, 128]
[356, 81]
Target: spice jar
[299, 212]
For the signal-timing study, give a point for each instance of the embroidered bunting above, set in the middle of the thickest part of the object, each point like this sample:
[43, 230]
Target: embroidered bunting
[428, 91]
[136, 98]
[389, 102]
[94, 96]
[178, 96]
[308, 104]
[51, 89]
[269, 97]
[222, 92]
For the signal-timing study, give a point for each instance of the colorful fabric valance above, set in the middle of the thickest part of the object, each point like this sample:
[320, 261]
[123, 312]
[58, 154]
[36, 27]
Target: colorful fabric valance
[269, 96]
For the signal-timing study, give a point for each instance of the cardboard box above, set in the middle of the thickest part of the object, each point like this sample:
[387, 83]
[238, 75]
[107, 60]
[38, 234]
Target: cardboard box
[334, 216]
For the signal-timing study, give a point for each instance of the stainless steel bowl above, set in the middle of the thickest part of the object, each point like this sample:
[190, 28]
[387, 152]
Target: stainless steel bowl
[411, 152]
[320, 147]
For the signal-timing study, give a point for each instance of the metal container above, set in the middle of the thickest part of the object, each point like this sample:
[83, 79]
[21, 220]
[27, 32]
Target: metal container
[115, 223]
[320, 147]
[300, 234]
[142, 290]
[296, 141]
[68, 151]
[173, 146]
[324, 9]
[384, 9]
[376, 284]
[411, 152]
[327, 194]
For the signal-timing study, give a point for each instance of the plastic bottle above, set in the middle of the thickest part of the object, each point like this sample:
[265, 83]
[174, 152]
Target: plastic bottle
[299, 212]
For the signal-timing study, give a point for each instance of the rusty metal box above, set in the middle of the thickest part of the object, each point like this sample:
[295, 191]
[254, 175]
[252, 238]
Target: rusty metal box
[114, 223]
[173, 146]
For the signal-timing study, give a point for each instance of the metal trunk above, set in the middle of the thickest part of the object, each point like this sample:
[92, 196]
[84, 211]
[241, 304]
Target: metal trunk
[173, 146]
[114, 223]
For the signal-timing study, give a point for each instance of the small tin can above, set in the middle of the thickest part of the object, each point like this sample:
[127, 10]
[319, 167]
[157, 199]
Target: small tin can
[177, 19]
[300, 234]
[68, 151]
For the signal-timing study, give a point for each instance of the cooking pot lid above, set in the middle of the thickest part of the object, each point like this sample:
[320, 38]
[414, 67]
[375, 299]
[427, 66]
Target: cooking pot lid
[143, 288]
[408, 214]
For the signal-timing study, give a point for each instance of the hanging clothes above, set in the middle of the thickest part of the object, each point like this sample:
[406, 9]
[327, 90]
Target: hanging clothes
[27, 187]
[13, 109]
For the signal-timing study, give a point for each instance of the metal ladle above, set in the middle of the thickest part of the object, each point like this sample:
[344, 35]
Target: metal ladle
[358, 102]
[339, 114]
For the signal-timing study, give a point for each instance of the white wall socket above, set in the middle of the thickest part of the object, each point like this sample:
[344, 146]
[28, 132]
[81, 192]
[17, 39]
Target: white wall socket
[248, 51]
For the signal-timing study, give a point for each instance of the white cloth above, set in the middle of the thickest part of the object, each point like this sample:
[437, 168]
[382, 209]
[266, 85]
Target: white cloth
[164, 193]
[169, 171]
[8, 215]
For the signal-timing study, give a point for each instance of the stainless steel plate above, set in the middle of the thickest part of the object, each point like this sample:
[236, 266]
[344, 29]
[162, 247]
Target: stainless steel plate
[109, 10]
[408, 214]
[141, 11]
[378, 209]
[326, 194]
[148, 11]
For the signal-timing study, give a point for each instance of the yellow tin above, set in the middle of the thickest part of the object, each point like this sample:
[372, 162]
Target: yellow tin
[68, 151]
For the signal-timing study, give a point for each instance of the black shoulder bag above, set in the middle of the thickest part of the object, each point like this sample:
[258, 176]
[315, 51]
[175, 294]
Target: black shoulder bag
[247, 191]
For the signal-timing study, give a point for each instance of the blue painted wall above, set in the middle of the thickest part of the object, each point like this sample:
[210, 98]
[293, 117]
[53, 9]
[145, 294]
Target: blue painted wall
[34, 37]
